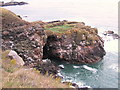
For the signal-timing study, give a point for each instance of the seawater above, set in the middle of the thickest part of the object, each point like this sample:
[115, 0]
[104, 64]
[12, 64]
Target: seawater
[102, 14]
[103, 74]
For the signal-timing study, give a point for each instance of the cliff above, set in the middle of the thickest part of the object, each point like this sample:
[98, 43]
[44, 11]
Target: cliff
[62, 40]
[16, 76]
[72, 42]
[26, 39]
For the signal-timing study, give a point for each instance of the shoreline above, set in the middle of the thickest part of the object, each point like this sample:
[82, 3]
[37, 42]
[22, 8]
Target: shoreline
[2, 4]
[35, 35]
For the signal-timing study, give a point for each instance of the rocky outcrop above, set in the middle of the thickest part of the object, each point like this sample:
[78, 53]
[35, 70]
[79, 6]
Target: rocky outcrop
[16, 57]
[10, 20]
[78, 45]
[12, 3]
[111, 33]
[72, 42]
[26, 39]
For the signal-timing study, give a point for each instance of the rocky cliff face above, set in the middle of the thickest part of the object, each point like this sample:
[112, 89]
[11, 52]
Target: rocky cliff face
[79, 44]
[61, 40]
[26, 39]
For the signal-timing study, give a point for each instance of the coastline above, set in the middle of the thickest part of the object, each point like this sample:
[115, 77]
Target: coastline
[12, 3]
[41, 23]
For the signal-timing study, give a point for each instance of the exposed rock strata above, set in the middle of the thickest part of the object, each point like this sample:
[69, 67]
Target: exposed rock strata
[27, 39]
[77, 45]
[33, 41]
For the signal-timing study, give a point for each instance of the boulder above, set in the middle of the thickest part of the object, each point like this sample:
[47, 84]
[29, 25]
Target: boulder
[108, 32]
[116, 36]
[15, 56]
[111, 33]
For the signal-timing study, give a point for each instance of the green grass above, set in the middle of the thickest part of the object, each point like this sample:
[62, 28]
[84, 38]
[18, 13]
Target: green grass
[59, 29]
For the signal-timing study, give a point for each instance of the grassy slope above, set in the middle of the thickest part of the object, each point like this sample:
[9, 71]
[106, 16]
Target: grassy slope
[10, 20]
[22, 77]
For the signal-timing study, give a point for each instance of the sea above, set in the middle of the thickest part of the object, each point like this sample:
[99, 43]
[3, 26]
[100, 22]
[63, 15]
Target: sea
[101, 14]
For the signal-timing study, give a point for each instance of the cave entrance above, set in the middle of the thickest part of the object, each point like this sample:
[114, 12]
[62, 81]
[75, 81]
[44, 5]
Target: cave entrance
[47, 49]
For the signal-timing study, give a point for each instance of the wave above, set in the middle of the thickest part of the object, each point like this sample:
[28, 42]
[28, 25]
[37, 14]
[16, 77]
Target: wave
[76, 66]
[61, 66]
[82, 85]
[90, 69]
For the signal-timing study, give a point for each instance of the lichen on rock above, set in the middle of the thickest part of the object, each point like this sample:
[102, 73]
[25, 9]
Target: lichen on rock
[26, 39]
[61, 40]
[75, 44]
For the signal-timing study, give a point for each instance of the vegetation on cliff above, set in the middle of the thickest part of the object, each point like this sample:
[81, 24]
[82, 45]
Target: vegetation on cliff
[77, 30]
[10, 20]
[62, 40]
[27, 40]
[73, 42]
[14, 76]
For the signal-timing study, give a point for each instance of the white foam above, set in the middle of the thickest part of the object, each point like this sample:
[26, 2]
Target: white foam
[59, 74]
[84, 87]
[80, 84]
[76, 66]
[90, 69]
[62, 66]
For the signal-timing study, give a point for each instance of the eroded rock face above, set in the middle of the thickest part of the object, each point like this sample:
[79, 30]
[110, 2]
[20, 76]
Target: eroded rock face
[57, 48]
[75, 46]
[27, 41]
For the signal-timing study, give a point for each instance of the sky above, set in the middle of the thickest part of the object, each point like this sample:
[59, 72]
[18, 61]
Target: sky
[94, 10]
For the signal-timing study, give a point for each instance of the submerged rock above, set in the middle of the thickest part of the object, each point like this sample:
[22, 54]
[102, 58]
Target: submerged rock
[116, 36]
[111, 33]
[108, 32]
